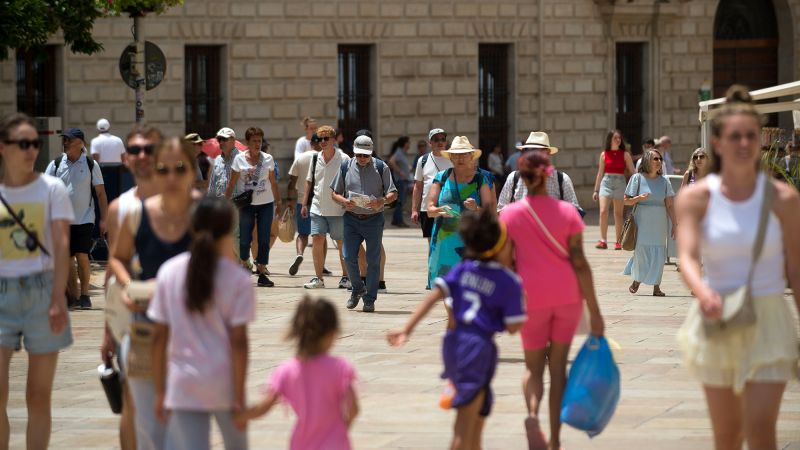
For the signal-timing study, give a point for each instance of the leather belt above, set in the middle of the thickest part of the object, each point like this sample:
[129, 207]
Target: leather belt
[362, 216]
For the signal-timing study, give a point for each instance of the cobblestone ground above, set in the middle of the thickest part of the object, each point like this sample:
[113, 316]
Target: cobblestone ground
[661, 406]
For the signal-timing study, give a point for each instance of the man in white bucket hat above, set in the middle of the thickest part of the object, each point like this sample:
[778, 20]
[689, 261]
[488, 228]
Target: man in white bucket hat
[559, 185]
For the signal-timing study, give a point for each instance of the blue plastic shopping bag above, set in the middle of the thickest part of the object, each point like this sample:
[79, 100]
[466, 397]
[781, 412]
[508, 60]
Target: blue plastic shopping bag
[592, 391]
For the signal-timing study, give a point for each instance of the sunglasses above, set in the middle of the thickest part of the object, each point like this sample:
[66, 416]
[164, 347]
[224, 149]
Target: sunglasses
[136, 149]
[657, 159]
[696, 157]
[359, 155]
[438, 140]
[179, 169]
[25, 144]
[325, 138]
[221, 139]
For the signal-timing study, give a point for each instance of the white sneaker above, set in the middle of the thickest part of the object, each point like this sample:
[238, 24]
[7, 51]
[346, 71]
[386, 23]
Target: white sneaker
[344, 283]
[315, 283]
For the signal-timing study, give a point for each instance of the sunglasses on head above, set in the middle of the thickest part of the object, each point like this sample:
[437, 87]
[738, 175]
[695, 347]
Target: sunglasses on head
[696, 157]
[25, 144]
[163, 170]
[136, 149]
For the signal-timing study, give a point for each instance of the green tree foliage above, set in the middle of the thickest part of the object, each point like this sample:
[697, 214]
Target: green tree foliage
[27, 24]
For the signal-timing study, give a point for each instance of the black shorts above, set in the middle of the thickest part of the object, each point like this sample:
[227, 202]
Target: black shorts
[80, 238]
[426, 223]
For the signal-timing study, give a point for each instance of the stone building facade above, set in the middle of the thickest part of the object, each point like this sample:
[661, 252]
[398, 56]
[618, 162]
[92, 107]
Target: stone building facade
[425, 64]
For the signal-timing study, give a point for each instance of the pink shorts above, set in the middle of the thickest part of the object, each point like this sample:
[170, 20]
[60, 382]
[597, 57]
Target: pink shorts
[552, 323]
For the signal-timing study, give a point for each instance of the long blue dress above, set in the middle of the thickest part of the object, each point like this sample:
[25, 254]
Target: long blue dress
[647, 263]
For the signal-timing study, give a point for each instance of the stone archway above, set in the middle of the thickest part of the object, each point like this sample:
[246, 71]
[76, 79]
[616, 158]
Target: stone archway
[746, 44]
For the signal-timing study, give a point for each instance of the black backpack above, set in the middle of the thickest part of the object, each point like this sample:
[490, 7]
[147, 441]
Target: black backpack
[560, 176]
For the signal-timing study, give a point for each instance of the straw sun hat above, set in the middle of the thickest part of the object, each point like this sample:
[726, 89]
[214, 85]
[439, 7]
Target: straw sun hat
[538, 140]
[461, 145]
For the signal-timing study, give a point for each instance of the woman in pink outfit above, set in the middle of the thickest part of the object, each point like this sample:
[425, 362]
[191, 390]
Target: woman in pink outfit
[555, 281]
[315, 384]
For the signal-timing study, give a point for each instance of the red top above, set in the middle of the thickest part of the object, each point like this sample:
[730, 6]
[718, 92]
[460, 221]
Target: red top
[614, 161]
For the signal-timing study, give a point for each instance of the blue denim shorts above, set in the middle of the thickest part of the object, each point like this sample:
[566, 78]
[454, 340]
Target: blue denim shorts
[613, 185]
[332, 225]
[24, 303]
[303, 223]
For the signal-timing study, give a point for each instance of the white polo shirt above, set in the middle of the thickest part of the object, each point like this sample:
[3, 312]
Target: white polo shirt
[109, 147]
[325, 173]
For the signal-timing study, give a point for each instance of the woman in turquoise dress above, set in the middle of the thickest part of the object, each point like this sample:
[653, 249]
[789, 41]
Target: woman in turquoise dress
[652, 194]
[452, 192]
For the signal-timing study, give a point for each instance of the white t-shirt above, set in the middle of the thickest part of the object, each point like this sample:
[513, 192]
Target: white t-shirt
[323, 204]
[299, 169]
[75, 176]
[109, 147]
[301, 146]
[37, 204]
[252, 179]
[433, 165]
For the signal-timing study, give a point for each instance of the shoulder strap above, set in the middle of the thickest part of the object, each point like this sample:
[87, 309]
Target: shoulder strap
[560, 176]
[381, 166]
[56, 163]
[424, 160]
[546, 232]
[514, 186]
[313, 179]
[766, 207]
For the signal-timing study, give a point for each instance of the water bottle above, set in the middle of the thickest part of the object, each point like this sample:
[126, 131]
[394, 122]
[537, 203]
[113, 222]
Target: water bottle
[109, 378]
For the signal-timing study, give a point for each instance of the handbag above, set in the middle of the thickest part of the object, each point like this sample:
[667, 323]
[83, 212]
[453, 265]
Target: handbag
[246, 197]
[738, 310]
[629, 229]
[140, 356]
[286, 226]
[112, 386]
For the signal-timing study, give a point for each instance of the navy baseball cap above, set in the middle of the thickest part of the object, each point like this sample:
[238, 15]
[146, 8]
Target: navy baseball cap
[73, 133]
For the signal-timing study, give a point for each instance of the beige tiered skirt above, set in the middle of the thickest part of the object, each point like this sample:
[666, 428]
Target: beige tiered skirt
[764, 352]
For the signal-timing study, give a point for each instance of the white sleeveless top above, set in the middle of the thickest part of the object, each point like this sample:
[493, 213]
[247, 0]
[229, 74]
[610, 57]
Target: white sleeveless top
[729, 231]
[126, 199]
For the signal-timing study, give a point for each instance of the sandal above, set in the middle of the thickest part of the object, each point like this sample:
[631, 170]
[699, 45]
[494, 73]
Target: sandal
[536, 439]
[602, 245]
[634, 287]
[658, 293]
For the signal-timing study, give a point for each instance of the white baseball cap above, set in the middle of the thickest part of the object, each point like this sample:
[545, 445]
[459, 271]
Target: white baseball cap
[226, 132]
[362, 145]
[103, 125]
[436, 131]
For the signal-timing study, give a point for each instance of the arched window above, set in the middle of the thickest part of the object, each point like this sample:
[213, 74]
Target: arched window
[745, 45]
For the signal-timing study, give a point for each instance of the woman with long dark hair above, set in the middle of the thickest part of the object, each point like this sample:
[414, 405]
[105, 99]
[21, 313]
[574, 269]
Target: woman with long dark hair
[609, 186]
[401, 175]
[201, 307]
[744, 369]
[155, 231]
[547, 234]
[696, 169]
[35, 215]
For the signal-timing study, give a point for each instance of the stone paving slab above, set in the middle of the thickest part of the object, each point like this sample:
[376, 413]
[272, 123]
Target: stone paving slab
[661, 406]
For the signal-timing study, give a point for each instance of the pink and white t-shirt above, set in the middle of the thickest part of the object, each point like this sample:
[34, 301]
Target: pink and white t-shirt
[316, 390]
[547, 274]
[199, 363]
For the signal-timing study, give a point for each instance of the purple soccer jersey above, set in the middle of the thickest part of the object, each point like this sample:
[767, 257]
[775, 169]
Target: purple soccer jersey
[485, 295]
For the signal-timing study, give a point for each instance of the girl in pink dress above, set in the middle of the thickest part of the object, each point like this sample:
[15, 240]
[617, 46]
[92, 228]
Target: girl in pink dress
[315, 384]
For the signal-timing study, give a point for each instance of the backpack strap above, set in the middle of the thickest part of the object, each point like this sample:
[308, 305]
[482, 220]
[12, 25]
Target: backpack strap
[560, 176]
[89, 162]
[381, 166]
[514, 186]
[313, 179]
[424, 160]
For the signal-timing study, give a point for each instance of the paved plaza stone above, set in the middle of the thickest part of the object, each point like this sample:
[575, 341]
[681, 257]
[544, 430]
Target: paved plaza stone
[661, 406]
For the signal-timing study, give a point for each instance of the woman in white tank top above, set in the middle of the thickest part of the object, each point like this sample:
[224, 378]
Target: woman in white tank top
[744, 371]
